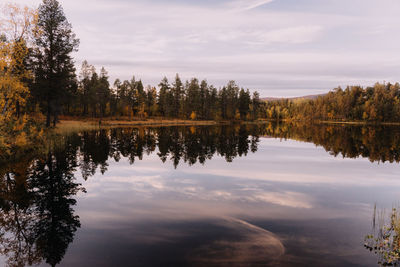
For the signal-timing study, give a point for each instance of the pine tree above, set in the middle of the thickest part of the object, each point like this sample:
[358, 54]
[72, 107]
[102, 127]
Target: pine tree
[163, 97]
[244, 103]
[103, 91]
[177, 96]
[85, 76]
[53, 65]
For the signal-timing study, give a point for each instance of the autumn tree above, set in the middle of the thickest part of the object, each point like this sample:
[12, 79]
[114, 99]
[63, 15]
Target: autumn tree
[18, 132]
[15, 33]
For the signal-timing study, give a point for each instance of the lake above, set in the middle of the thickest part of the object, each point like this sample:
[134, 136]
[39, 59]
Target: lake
[230, 195]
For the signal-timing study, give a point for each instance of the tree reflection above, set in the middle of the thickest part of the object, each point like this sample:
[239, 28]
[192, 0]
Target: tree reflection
[37, 196]
[384, 239]
[377, 143]
[193, 145]
[177, 144]
[37, 221]
[17, 217]
[53, 180]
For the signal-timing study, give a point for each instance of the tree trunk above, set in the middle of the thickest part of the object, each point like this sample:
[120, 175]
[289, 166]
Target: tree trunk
[48, 117]
[55, 117]
[56, 111]
[85, 109]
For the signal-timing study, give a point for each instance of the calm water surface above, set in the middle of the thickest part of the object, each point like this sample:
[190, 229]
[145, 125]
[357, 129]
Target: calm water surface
[266, 195]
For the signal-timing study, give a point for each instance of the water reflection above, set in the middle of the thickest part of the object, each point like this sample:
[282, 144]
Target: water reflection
[37, 196]
[37, 220]
[175, 144]
[377, 143]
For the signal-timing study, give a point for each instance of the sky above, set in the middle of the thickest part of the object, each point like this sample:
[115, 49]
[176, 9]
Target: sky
[281, 48]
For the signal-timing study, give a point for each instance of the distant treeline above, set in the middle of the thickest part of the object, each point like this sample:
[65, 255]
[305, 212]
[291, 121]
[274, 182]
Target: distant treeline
[192, 99]
[378, 143]
[380, 103]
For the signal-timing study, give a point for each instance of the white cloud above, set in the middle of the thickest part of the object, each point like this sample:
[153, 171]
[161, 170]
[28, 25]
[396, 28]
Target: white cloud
[278, 50]
[243, 5]
[287, 199]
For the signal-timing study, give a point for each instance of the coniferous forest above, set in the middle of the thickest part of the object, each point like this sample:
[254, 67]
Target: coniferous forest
[146, 165]
[194, 99]
[39, 74]
[379, 103]
[39, 82]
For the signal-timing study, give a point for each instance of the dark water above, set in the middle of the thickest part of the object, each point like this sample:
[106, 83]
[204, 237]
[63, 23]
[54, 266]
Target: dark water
[250, 195]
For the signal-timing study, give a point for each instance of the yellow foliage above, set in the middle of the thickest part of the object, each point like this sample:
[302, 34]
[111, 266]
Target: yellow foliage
[21, 140]
[193, 115]
[16, 26]
[18, 135]
[20, 124]
[3, 144]
[237, 115]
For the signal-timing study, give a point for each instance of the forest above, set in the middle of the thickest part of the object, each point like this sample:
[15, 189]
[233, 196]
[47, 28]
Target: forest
[39, 82]
[378, 103]
[37, 189]
[94, 97]
[39, 75]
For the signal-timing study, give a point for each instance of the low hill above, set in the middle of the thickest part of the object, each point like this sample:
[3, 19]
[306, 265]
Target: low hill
[291, 98]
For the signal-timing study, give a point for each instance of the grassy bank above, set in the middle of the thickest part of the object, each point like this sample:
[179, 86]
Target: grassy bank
[67, 125]
[73, 124]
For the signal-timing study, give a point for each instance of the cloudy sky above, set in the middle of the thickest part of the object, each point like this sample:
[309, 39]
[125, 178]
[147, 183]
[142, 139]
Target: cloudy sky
[278, 47]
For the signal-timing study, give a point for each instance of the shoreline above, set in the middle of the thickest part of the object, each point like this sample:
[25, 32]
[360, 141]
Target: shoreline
[71, 124]
[367, 123]
[68, 124]
[79, 124]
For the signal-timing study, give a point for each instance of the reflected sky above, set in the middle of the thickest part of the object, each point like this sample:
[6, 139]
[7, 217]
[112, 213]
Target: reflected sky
[303, 198]
[288, 204]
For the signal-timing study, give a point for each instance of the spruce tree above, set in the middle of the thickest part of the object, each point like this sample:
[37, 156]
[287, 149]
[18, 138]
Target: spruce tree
[53, 65]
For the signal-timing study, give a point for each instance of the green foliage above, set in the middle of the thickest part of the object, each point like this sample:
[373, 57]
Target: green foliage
[45, 71]
[129, 98]
[52, 62]
[379, 103]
